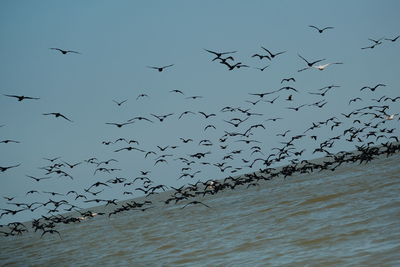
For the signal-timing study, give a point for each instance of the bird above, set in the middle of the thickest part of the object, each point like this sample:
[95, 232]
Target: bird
[272, 101]
[262, 69]
[322, 67]
[297, 108]
[120, 103]
[177, 91]
[238, 65]
[207, 115]
[38, 179]
[185, 113]
[72, 165]
[186, 140]
[209, 126]
[194, 97]
[22, 97]
[140, 119]
[320, 30]
[9, 141]
[119, 125]
[283, 134]
[64, 52]
[51, 231]
[195, 202]
[376, 41]
[141, 95]
[393, 40]
[373, 88]
[354, 100]
[219, 54]
[261, 56]
[161, 118]
[57, 114]
[129, 148]
[160, 69]
[309, 64]
[53, 159]
[3, 169]
[272, 55]
[288, 80]
[390, 117]
[392, 99]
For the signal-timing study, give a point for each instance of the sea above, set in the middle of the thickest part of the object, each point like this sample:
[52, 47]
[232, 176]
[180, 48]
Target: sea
[346, 217]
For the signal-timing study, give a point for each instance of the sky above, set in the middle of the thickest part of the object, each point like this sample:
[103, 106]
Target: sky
[119, 40]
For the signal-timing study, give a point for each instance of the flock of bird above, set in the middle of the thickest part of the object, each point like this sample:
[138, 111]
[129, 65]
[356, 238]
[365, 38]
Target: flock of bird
[369, 132]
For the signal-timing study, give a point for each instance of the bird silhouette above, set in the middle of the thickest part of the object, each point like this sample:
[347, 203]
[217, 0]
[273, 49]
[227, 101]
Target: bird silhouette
[57, 115]
[207, 115]
[119, 125]
[320, 30]
[161, 118]
[9, 141]
[120, 103]
[262, 69]
[272, 55]
[3, 169]
[373, 88]
[21, 97]
[194, 203]
[309, 64]
[64, 52]
[394, 39]
[160, 69]
[322, 67]
[288, 80]
[38, 179]
[219, 54]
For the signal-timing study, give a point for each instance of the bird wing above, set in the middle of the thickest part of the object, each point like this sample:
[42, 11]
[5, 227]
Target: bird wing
[315, 27]
[61, 115]
[303, 58]
[167, 66]
[267, 50]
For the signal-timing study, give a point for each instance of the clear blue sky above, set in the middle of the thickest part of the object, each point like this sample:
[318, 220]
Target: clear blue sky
[118, 39]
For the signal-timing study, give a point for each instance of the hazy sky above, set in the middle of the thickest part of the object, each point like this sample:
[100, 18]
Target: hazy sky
[119, 39]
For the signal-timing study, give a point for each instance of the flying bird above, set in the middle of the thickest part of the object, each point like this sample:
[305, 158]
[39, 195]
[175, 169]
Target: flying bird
[320, 30]
[120, 103]
[21, 97]
[288, 80]
[161, 118]
[56, 114]
[195, 202]
[392, 40]
[9, 141]
[3, 169]
[119, 125]
[160, 69]
[309, 64]
[64, 52]
[177, 91]
[272, 55]
[262, 69]
[354, 100]
[373, 88]
[219, 54]
[322, 67]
